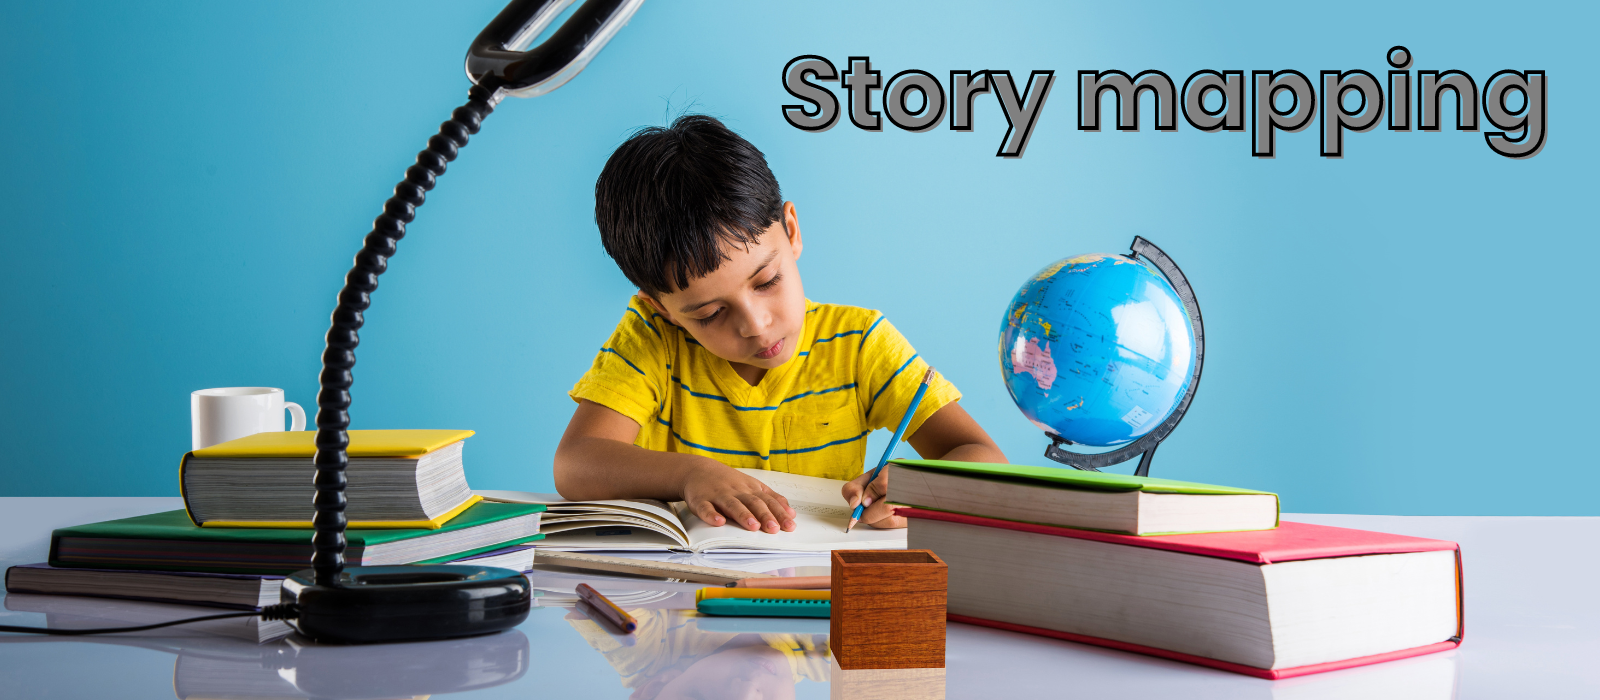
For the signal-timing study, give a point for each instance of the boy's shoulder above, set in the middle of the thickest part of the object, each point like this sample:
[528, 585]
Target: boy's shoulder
[830, 319]
[835, 322]
[641, 320]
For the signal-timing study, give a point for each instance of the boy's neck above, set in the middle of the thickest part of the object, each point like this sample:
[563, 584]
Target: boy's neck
[751, 374]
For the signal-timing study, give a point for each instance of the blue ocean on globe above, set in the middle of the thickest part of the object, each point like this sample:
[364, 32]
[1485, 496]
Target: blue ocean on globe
[1097, 349]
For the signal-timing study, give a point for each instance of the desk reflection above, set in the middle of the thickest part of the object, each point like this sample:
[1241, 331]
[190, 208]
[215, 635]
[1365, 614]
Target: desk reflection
[678, 654]
[292, 668]
[289, 669]
[1431, 677]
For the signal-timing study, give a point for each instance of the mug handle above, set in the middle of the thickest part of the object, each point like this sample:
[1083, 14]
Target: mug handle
[297, 416]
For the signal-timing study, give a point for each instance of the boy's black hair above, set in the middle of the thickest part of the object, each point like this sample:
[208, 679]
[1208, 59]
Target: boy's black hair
[670, 200]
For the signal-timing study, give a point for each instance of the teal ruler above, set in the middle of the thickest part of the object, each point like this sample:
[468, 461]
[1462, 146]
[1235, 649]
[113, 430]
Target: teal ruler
[764, 607]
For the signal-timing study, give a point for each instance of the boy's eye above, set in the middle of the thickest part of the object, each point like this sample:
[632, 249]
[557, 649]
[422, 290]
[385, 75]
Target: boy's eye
[764, 286]
[709, 319]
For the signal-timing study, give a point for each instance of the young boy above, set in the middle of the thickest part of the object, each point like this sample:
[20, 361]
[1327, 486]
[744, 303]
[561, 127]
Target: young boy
[720, 360]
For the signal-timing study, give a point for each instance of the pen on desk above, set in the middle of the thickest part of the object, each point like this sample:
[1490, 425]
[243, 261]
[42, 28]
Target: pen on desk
[792, 582]
[624, 639]
[887, 451]
[607, 609]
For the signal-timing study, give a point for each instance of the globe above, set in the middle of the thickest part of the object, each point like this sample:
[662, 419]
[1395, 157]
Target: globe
[1097, 349]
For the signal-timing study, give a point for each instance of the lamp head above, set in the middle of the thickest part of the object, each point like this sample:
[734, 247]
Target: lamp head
[501, 58]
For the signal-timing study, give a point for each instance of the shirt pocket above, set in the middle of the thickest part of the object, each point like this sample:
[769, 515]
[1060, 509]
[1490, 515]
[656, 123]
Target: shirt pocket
[829, 444]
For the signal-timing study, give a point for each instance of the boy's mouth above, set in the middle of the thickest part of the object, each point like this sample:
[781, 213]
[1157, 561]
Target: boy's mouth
[772, 351]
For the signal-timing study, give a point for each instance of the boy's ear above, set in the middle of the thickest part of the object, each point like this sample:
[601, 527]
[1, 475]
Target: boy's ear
[791, 229]
[659, 308]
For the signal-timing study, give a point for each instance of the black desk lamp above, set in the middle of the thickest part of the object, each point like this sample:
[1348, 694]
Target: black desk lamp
[391, 603]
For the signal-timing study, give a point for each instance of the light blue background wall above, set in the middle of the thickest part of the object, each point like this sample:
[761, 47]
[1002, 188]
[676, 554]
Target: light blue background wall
[1407, 330]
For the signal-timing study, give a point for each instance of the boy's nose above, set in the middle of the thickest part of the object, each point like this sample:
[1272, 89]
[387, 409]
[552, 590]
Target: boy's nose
[756, 321]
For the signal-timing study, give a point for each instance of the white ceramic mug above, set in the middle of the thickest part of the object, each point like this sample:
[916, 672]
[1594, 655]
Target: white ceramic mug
[229, 413]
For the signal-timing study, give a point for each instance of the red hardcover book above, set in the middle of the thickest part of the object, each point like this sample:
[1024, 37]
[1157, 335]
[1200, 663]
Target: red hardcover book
[1292, 601]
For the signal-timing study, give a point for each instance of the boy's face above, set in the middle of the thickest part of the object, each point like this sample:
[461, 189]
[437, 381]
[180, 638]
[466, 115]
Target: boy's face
[752, 309]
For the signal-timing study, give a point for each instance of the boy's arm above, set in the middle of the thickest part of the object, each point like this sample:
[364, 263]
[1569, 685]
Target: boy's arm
[597, 460]
[948, 434]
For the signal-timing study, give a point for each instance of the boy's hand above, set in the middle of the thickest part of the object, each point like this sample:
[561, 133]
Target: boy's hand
[878, 513]
[718, 494]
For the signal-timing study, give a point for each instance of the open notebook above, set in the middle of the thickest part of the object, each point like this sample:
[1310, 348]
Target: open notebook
[645, 525]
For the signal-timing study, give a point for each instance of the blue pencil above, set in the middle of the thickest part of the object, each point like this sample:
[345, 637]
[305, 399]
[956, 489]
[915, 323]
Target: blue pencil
[898, 432]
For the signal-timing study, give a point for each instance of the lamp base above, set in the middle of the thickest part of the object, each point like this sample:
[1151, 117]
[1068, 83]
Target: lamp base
[373, 604]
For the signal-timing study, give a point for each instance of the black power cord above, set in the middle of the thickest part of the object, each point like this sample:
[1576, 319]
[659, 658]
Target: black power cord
[282, 611]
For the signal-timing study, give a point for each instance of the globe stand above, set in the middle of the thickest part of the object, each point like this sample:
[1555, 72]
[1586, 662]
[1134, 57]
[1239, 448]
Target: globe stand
[1145, 446]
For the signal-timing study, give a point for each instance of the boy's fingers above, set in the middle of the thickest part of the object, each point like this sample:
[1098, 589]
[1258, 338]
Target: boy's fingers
[852, 490]
[737, 513]
[781, 500]
[858, 491]
[780, 508]
[707, 513]
[762, 511]
[872, 497]
[880, 486]
[879, 510]
[890, 523]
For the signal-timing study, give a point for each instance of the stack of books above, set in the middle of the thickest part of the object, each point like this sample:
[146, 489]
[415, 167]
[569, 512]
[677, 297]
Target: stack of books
[1191, 572]
[247, 524]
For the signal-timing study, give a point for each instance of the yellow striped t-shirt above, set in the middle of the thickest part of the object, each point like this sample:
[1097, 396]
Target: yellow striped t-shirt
[854, 373]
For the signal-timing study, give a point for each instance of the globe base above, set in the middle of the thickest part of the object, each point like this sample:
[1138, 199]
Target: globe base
[1092, 463]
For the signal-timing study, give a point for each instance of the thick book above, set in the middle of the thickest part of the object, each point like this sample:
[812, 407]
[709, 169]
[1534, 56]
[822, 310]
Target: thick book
[645, 525]
[170, 542]
[1131, 505]
[236, 591]
[72, 612]
[1291, 601]
[399, 479]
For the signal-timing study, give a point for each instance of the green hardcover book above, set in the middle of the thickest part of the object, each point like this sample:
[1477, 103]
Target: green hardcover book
[171, 542]
[1133, 505]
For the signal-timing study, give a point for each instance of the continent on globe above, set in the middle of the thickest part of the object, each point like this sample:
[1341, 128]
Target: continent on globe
[1033, 357]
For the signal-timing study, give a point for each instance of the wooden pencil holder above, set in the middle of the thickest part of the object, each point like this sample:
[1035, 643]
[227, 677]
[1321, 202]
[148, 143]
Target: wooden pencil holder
[888, 609]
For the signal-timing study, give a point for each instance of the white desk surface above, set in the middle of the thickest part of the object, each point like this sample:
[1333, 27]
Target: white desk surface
[1532, 623]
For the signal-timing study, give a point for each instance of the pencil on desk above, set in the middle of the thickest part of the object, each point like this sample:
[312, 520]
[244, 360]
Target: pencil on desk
[792, 582]
[911, 410]
[607, 609]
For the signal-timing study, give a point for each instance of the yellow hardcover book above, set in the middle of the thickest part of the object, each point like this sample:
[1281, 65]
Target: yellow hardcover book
[279, 446]
[363, 443]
